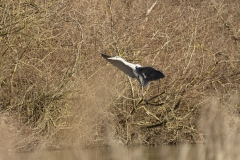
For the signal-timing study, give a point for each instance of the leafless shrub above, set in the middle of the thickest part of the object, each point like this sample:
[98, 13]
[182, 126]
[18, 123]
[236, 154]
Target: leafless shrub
[55, 84]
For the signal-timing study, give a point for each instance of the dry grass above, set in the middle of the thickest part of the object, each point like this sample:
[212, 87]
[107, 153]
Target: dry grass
[221, 126]
[52, 90]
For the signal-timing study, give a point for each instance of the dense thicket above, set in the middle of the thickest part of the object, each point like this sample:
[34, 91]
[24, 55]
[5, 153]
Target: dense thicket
[56, 91]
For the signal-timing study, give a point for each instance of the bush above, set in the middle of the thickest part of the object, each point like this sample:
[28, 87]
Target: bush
[57, 92]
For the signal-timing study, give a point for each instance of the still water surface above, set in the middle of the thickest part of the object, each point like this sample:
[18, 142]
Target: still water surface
[112, 153]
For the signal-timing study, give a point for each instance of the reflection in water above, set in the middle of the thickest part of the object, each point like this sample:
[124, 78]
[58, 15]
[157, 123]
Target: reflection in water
[112, 153]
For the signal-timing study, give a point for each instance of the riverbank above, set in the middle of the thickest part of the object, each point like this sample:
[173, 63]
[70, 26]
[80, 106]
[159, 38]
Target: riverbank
[57, 92]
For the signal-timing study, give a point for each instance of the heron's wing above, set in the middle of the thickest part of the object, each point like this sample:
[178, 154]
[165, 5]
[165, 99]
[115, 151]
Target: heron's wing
[150, 73]
[120, 64]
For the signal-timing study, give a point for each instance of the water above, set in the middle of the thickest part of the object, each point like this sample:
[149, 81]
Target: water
[112, 153]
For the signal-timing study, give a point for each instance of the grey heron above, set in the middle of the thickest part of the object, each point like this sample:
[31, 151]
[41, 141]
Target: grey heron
[143, 74]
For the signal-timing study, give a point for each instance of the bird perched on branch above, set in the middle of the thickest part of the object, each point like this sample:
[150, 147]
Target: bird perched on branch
[143, 74]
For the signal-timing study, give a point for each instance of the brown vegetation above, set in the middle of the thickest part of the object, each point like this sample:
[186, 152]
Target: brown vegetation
[56, 91]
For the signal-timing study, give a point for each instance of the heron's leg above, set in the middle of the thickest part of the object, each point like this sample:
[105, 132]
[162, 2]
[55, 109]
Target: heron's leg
[142, 93]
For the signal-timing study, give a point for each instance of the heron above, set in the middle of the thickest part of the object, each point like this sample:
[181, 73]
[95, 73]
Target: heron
[143, 74]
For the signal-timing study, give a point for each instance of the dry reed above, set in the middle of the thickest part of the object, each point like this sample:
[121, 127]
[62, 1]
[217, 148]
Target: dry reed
[57, 92]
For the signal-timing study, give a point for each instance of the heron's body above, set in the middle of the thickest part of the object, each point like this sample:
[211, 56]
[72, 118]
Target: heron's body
[143, 74]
